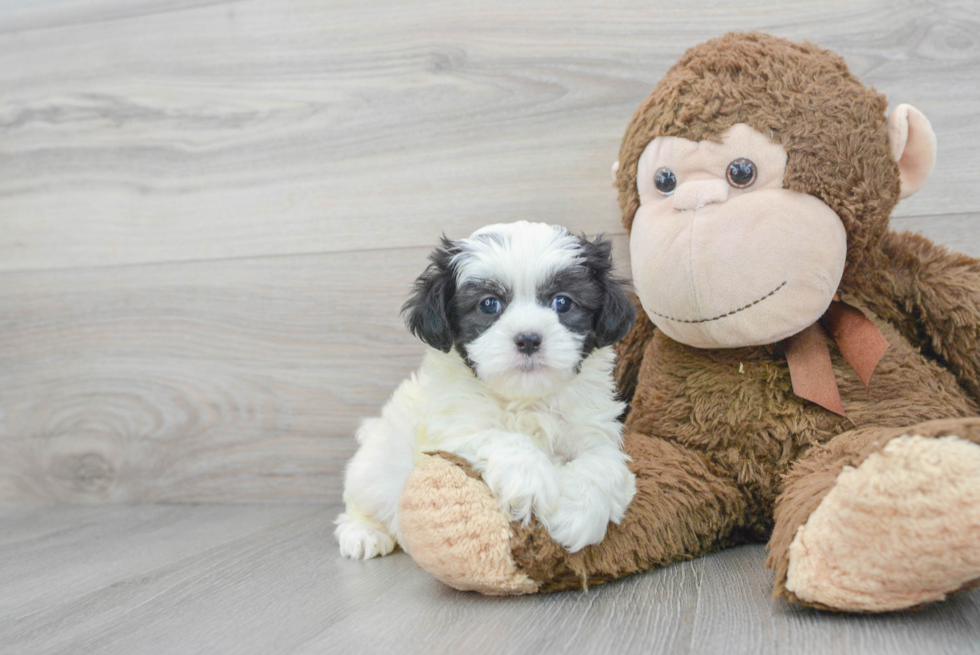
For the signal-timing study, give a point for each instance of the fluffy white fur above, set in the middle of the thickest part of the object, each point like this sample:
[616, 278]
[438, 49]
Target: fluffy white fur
[542, 430]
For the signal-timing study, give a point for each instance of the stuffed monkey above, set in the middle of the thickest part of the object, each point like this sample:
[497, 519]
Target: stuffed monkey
[799, 374]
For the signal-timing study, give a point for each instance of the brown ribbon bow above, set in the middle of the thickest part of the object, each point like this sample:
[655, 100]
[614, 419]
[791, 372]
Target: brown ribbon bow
[860, 342]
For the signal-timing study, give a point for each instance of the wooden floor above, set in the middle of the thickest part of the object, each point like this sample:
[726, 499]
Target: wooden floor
[210, 213]
[268, 579]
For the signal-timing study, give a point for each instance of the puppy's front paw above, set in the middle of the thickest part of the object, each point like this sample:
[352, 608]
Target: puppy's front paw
[585, 509]
[362, 539]
[581, 518]
[524, 481]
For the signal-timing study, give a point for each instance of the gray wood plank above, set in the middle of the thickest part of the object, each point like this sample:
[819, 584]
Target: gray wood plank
[254, 579]
[736, 614]
[210, 381]
[651, 613]
[190, 130]
[254, 593]
[59, 554]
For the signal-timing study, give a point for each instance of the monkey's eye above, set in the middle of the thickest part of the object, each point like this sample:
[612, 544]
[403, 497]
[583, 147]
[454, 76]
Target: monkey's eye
[490, 305]
[665, 181]
[561, 304]
[742, 173]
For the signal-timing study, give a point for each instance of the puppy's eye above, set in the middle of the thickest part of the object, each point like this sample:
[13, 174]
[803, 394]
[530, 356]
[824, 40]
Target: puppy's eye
[665, 181]
[490, 305]
[742, 173]
[561, 304]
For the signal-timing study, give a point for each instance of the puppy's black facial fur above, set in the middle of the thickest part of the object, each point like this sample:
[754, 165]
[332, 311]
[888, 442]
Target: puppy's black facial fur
[601, 310]
[615, 314]
[586, 293]
[428, 312]
[470, 321]
[444, 316]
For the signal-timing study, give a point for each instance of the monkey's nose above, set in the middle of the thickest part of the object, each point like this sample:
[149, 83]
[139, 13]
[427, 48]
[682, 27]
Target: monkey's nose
[698, 193]
[528, 343]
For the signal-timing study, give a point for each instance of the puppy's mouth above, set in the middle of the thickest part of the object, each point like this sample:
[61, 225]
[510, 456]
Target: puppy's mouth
[529, 364]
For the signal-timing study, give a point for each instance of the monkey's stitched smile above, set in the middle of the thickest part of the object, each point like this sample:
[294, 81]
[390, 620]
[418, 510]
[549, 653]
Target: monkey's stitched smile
[734, 311]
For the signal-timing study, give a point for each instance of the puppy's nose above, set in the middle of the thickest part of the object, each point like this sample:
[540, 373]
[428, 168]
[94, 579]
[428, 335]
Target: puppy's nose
[528, 342]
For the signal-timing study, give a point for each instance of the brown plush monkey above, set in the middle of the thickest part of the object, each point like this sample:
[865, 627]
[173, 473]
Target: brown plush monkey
[756, 183]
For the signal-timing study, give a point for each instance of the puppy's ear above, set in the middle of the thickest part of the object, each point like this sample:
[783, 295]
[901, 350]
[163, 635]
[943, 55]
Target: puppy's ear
[427, 311]
[616, 315]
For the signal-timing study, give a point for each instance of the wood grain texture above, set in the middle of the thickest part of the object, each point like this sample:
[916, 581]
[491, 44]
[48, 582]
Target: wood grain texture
[737, 614]
[228, 380]
[224, 380]
[210, 211]
[260, 579]
[161, 131]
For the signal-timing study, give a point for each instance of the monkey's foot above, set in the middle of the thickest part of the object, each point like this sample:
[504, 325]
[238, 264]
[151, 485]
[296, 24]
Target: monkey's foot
[453, 527]
[897, 531]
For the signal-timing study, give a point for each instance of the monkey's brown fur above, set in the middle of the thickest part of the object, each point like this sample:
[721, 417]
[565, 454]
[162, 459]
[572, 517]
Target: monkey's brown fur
[722, 449]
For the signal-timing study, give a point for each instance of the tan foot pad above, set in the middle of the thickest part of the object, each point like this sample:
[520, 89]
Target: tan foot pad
[900, 530]
[453, 528]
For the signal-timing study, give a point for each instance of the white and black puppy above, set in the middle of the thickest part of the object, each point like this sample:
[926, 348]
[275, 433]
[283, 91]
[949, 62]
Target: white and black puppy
[520, 319]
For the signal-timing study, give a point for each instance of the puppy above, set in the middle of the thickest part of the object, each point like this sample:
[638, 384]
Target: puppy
[520, 319]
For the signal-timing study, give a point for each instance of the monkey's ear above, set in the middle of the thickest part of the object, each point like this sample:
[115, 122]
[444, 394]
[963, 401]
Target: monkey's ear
[913, 145]
[614, 171]
[427, 311]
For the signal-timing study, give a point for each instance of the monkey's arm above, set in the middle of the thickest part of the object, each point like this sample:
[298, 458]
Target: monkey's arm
[935, 302]
[629, 352]
[453, 527]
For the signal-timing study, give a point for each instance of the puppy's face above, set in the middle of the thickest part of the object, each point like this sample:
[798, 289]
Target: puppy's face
[523, 304]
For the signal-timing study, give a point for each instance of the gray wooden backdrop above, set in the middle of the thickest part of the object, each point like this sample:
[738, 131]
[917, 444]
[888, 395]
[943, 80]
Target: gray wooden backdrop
[210, 211]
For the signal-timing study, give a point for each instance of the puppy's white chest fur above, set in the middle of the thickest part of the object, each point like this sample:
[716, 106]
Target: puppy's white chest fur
[453, 404]
[557, 456]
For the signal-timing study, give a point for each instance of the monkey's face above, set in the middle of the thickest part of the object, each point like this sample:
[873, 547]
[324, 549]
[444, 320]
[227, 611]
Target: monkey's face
[722, 255]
